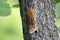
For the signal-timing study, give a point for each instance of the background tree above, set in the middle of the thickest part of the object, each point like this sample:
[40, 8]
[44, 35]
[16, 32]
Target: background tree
[45, 20]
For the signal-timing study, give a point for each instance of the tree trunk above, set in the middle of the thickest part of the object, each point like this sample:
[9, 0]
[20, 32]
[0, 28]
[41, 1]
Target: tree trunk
[45, 20]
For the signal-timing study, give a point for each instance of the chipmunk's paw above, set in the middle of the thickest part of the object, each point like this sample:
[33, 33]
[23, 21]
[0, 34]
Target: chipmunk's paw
[32, 29]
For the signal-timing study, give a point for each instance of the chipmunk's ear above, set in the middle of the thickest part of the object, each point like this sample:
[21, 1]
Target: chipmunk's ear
[33, 29]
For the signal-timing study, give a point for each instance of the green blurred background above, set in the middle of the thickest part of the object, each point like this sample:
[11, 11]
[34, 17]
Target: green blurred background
[57, 5]
[10, 19]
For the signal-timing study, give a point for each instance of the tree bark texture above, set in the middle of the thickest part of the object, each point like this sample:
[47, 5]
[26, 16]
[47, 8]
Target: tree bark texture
[45, 20]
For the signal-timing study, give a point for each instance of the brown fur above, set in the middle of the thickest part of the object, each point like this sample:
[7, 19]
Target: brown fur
[32, 16]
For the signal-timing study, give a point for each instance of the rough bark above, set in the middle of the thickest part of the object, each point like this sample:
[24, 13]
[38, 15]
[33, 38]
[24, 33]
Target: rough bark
[45, 20]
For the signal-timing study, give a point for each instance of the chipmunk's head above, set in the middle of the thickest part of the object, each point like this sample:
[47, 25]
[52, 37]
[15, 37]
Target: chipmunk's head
[32, 3]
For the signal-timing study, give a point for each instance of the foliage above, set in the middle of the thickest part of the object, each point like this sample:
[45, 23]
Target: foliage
[58, 13]
[10, 21]
[57, 1]
[16, 5]
[4, 8]
[13, 3]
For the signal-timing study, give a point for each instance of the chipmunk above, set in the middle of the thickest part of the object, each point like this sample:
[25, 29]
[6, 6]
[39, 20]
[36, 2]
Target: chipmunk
[32, 16]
